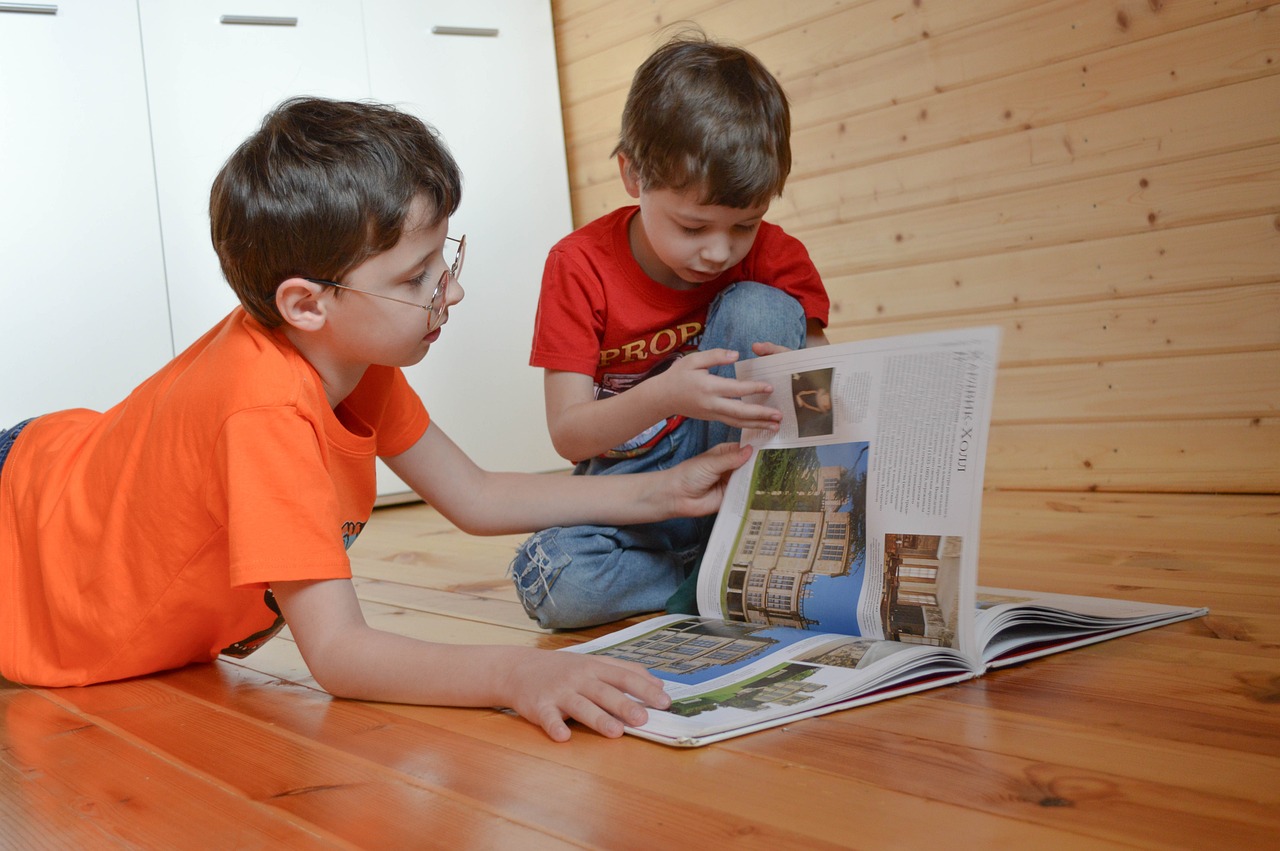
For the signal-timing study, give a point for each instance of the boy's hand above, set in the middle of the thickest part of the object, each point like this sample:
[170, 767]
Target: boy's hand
[765, 349]
[699, 482]
[546, 687]
[694, 392]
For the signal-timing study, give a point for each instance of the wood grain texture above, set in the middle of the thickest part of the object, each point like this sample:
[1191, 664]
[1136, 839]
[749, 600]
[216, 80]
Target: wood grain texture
[1164, 739]
[1097, 178]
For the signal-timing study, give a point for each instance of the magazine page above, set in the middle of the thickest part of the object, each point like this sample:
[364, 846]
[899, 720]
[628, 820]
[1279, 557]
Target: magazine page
[860, 515]
[728, 678]
[1014, 626]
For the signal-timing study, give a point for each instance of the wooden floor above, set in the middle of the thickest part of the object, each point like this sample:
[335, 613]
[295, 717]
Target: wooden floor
[1165, 739]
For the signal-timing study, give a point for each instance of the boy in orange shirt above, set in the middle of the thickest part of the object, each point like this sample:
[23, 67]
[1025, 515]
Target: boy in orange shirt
[216, 502]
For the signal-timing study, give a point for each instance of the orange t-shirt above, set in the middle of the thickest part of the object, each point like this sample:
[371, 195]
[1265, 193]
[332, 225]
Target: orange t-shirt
[143, 538]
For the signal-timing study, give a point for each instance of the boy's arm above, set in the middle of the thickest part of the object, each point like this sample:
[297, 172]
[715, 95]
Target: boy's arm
[814, 335]
[485, 503]
[350, 659]
[582, 426]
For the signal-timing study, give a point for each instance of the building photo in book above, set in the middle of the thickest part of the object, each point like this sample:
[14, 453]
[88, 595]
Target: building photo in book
[786, 685]
[921, 598]
[801, 548]
[694, 650]
[842, 651]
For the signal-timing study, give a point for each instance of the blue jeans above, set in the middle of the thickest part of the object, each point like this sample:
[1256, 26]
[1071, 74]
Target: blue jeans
[7, 437]
[576, 576]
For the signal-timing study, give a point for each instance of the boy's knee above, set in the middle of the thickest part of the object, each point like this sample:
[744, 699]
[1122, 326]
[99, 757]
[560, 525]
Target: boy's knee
[580, 576]
[749, 312]
[547, 580]
[537, 565]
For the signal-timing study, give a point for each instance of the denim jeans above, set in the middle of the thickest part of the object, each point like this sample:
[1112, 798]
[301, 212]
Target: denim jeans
[578, 576]
[7, 437]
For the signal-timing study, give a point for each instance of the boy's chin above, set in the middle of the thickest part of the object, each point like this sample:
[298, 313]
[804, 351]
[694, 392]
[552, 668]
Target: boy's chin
[410, 358]
[697, 279]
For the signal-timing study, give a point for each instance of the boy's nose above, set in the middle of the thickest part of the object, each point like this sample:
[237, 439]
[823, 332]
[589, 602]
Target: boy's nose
[455, 293]
[715, 250]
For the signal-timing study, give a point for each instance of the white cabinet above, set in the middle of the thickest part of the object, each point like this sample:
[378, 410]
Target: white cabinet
[214, 69]
[105, 174]
[493, 93]
[84, 315]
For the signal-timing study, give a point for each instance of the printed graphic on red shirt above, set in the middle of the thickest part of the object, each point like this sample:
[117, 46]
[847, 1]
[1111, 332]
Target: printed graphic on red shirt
[613, 383]
[680, 339]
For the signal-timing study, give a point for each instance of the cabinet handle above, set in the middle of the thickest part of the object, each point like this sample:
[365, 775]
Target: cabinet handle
[30, 8]
[258, 20]
[483, 32]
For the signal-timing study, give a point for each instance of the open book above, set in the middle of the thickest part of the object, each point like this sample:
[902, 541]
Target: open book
[842, 567]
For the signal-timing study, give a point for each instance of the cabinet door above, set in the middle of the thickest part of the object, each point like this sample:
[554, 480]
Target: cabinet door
[214, 69]
[494, 96]
[85, 317]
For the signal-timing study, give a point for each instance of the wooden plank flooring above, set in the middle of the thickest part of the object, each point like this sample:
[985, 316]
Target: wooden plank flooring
[1165, 739]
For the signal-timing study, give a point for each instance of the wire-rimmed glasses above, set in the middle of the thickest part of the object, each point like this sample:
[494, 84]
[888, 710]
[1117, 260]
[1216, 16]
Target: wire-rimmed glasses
[435, 307]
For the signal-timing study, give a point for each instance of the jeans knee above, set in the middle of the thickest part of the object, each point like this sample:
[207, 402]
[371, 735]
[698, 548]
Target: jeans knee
[557, 587]
[749, 312]
[568, 578]
[537, 565]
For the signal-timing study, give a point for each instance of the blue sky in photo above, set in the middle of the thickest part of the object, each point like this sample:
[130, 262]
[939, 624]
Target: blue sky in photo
[834, 603]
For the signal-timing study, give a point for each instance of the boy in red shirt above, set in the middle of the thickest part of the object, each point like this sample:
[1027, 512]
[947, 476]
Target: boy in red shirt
[216, 502]
[644, 311]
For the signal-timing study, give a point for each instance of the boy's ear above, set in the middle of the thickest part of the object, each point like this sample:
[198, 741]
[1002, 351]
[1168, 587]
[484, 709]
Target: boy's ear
[300, 304]
[629, 179]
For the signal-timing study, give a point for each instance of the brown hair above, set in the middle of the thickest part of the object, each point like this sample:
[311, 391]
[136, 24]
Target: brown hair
[710, 116]
[320, 187]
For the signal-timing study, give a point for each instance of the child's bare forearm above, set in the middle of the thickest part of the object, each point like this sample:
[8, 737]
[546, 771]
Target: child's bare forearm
[369, 664]
[543, 686]
[488, 503]
[503, 503]
[588, 428]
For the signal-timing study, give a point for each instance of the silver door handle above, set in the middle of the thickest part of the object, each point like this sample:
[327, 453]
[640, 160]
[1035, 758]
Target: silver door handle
[258, 20]
[483, 32]
[30, 8]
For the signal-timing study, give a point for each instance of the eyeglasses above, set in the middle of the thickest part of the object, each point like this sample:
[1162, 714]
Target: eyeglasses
[436, 306]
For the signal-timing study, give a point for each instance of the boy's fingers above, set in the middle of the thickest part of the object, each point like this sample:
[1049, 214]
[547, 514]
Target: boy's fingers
[728, 456]
[761, 412]
[631, 678]
[602, 719]
[737, 389]
[555, 728]
[746, 415]
[648, 689]
[764, 349]
[710, 357]
[605, 709]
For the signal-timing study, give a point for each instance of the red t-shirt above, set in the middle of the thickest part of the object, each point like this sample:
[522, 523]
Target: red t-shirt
[143, 538]
[599, 314]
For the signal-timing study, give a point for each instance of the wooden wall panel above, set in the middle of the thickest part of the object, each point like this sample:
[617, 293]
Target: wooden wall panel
[1210, 256]
[1235, 455]
[1189, 323]
[1100, 178]
[1077, 48]
[1197, 124]
[850, 130]
[1217, 385]
[1226, 186]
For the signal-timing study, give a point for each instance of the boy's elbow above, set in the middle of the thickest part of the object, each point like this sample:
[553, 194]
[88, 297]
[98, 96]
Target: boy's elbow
[565, 445]
[474, 526]
[333, 682]
[565, 451]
